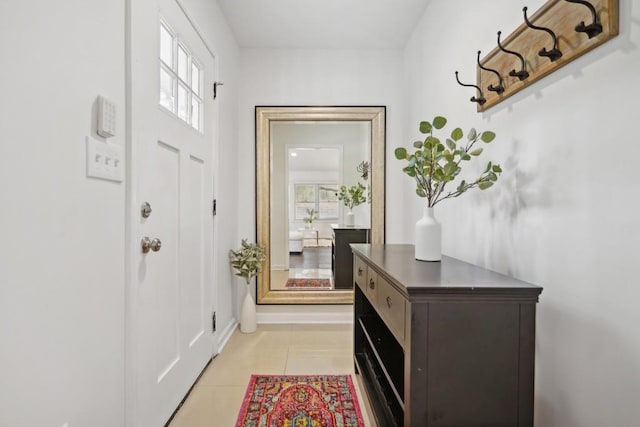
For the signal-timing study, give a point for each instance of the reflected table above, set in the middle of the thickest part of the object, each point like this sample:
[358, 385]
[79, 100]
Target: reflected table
[310, 232]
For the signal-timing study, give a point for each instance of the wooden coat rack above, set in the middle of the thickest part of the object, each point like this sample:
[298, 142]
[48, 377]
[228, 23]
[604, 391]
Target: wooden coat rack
[531, 52]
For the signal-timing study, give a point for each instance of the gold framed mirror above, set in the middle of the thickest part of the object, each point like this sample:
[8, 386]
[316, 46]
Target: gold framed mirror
[267, 117]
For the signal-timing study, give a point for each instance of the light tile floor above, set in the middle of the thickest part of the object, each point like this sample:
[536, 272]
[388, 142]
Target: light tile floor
[273, 349]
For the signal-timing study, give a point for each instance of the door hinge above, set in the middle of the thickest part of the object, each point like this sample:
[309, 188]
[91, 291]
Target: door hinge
[215, 88]
[214, 208]
[213, 322]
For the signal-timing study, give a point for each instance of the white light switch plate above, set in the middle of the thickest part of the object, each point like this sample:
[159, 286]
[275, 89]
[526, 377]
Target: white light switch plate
[104, 160]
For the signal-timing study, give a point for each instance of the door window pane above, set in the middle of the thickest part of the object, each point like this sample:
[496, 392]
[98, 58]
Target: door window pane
[183, 64]
[167, 96]
[195, 113]
[166, 46]
[181, 79]
[195, 79]
[183, 102]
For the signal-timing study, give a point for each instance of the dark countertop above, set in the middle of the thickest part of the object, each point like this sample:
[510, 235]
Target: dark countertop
[449, 276]
[346, 227]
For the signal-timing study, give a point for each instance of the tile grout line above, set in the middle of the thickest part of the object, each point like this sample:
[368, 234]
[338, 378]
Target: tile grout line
[286, 358]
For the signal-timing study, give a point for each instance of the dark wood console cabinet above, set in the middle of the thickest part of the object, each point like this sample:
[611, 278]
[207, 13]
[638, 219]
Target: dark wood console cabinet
[341, 256]
[442, 344]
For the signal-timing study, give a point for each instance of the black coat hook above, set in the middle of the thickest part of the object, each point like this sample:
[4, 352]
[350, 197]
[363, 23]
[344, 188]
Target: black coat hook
[498, 89]
[552, 54]
[481, 99]
[522, 74]
[592, 29]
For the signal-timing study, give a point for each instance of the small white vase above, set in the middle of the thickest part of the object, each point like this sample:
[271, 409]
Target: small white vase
[428, 237]
[248, 315]
[349, 219]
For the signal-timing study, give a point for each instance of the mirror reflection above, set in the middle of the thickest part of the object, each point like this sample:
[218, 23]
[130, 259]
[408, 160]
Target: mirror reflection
[319, 187]
[320, 195]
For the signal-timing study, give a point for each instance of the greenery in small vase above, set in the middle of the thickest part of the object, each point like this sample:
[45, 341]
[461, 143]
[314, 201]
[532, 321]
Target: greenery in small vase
[352, 196]
[247, 261]
[311, 216]
[434, 164]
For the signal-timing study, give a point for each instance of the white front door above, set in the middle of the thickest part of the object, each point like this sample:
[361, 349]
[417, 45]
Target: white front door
[171, 290]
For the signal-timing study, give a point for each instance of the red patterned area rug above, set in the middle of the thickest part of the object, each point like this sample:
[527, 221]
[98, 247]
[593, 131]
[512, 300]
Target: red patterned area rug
[308, 283]
[300, 401]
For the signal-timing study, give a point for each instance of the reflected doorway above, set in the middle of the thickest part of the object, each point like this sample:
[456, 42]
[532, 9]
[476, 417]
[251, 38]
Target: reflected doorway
[310, 162]
[313, 173]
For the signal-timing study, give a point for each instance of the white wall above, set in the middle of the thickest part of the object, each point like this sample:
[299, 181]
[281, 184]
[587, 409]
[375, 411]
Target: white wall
[62, 278]
[317, 77]
[284, 175]
[282, 210]
[62, 252]
[564, 213]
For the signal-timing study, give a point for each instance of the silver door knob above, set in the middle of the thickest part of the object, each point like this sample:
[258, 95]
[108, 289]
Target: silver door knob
[147, 244]
[145, 210]
[156, 244]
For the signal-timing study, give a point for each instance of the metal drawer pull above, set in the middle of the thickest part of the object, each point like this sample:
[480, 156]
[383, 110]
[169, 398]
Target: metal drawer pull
[359, 271]
[372, 284]
[389, 302]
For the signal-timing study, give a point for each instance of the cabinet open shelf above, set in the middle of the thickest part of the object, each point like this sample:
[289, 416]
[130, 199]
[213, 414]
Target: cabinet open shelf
[387, 409]
[379, 358]
[387, 353]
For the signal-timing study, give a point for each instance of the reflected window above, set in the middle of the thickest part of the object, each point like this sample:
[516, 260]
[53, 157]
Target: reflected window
[322, 198]
[328, 201]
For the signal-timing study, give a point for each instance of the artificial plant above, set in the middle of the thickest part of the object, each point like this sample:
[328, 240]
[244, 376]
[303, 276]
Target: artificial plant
[312, 215]
[247, 261]
[434, 164]
[352, 196]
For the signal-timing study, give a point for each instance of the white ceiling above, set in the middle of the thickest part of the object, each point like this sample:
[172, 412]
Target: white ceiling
[314, 159]
[329, 24]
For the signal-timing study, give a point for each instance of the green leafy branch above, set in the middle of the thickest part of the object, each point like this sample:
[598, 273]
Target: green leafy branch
[352, 196]
[433, 165]
[247, 261]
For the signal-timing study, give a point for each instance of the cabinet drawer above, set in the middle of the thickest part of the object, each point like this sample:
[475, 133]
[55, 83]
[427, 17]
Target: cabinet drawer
[360, 272]
[391, 305]
[371, 287]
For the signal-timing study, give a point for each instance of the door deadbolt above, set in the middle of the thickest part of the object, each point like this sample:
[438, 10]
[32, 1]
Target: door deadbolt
[148, 244]
[145, 210]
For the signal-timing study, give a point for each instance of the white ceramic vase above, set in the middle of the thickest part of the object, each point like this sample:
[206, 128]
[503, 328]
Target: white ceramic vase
[428, 237]
[248, 314]
[349, 219]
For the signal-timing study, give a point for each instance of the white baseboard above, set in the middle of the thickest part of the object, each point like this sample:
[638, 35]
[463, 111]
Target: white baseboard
[225, 335]
[320, 318]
